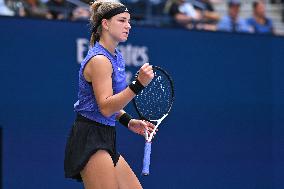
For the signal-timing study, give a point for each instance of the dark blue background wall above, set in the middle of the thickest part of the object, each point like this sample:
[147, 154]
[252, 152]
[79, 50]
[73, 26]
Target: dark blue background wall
[225, 129]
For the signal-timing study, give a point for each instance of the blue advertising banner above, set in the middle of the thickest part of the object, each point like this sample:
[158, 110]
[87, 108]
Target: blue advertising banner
[225, 129]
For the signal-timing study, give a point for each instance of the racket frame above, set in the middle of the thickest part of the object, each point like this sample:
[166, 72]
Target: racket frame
[148, 139]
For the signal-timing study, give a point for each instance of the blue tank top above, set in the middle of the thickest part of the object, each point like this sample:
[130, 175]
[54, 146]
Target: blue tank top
[86, 104]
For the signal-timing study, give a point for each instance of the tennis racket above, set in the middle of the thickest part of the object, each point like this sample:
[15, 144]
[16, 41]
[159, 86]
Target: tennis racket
[153, 104]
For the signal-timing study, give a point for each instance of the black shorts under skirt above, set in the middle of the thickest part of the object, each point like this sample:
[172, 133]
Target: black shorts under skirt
[85, 139]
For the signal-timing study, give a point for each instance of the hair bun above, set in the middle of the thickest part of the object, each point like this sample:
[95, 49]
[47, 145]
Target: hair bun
[96, 4]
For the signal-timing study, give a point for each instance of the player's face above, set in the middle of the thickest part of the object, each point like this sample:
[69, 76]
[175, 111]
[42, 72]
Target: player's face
[119, 26]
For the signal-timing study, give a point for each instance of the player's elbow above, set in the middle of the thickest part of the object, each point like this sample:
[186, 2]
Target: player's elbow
[106, 108]
[106, 112]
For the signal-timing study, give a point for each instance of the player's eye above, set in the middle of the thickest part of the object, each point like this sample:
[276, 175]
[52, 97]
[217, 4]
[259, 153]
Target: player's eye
[122, 20]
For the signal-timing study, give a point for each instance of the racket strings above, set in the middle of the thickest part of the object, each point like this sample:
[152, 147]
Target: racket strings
[156, 99]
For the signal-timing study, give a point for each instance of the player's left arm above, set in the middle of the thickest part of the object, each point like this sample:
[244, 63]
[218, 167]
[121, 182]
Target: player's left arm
[138, 126]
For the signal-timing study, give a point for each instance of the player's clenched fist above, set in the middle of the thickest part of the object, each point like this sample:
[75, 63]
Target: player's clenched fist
[146, 74]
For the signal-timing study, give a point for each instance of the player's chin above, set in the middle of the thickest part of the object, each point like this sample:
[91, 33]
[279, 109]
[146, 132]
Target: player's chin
[123, 39]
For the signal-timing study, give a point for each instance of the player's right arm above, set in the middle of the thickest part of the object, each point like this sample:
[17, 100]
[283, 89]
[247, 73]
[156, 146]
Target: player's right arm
[99, 72]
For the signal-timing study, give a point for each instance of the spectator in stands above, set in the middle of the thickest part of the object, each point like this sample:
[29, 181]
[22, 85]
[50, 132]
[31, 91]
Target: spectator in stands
[15, 6]
[259, 22]
[4, 10]
[282, 2]
[182, 12]
[207, 10]
[232, 22]
[60, 9]
[80, 13]
[33, 8]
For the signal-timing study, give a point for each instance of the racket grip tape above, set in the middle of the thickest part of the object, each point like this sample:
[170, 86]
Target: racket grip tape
[146, 159]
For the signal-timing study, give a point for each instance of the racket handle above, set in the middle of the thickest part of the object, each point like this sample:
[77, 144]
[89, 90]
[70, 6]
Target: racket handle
[146, 159]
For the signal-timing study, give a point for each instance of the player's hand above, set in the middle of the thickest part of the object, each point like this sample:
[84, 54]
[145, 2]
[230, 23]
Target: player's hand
[146, 74]
[140, 126]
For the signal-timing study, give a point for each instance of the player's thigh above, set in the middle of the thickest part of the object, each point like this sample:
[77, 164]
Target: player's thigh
[125, 176]
[99, 172]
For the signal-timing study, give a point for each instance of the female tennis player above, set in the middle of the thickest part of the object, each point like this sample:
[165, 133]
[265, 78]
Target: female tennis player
[91, 155]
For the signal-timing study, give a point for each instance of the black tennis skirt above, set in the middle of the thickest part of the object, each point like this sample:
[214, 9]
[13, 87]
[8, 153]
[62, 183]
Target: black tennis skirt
[85, 139]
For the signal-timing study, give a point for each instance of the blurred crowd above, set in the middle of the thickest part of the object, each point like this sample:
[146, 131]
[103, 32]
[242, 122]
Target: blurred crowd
[190, 14]
[47, 9]
[201, 15]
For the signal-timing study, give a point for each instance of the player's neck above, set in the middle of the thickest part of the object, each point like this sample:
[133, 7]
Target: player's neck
[108, 44]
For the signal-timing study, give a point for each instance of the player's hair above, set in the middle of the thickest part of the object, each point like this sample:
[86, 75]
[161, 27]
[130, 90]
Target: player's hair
[98, 10]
